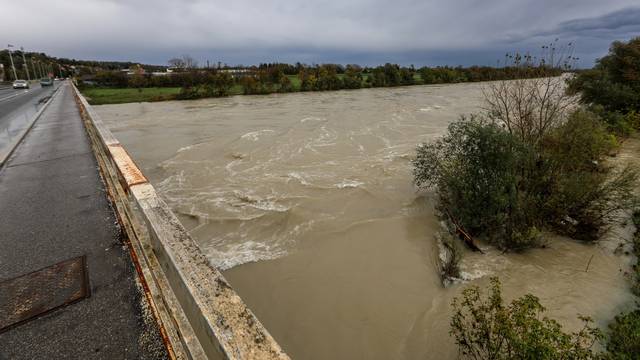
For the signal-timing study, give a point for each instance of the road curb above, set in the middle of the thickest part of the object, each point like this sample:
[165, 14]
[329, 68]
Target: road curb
[4, 155]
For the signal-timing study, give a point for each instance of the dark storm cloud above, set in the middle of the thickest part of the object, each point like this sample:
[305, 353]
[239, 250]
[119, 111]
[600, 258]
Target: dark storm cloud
[591, 35]
[435, 32]
[622, 21]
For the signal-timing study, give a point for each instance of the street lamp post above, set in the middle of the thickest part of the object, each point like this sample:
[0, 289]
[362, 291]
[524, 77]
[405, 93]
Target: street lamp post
[26, 67]
[15, 77]
[33, 66]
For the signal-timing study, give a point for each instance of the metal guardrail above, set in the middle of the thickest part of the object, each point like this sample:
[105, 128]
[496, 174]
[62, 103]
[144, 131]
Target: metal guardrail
[200, 315]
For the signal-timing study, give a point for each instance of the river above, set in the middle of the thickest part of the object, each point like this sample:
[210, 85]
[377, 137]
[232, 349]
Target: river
[306, 202]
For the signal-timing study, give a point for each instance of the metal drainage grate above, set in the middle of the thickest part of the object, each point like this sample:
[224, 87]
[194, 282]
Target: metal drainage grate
[27, 296]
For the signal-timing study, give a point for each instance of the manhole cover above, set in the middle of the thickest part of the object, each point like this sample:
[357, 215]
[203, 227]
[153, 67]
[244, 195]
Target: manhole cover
[41, 291]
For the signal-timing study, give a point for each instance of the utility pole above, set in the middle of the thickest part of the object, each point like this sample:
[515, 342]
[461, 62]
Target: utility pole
[24, 61]
[15, 77]
[33, 66]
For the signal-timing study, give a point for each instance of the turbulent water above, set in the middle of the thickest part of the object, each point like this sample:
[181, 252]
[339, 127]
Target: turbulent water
[306, 200]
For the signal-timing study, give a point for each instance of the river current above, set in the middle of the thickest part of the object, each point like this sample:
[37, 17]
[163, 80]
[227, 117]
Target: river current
[306, 202]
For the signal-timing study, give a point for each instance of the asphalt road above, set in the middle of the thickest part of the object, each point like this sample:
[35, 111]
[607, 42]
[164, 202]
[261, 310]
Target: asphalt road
[53, 207]
[17, 107]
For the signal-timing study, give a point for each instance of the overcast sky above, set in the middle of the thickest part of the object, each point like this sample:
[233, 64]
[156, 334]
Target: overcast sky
[420, 32]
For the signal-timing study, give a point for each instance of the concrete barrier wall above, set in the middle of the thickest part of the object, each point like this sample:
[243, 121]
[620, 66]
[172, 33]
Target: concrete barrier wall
[200, 315]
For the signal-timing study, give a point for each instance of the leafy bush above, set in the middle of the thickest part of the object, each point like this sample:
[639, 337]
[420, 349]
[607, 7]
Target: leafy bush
[499, 187]
[478, 169]
[624, 338]
[188, 93]
[450, 255]
[485, 328]
[635, 288]
[532, 161]
[582, 196]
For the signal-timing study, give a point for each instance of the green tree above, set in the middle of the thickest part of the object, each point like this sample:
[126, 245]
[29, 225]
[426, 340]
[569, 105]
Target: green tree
[352, 77]
[614, 83]
[327, 78]
[284, 84]
[222, 83]
[308, 80]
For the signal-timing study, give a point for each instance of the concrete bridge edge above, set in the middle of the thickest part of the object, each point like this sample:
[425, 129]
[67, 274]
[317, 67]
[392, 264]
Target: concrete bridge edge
[199, 314]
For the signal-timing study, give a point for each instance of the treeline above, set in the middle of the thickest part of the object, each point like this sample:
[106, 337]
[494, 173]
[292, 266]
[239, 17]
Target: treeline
[274, 78]
[40, 64]
[37, 65]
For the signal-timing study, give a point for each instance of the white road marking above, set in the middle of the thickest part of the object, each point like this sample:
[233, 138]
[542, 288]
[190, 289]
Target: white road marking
[14, 95]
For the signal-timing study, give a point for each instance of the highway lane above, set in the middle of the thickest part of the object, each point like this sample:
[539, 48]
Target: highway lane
[17, 107]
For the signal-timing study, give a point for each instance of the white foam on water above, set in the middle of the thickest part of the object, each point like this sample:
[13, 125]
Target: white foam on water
[297, 176]
[430, 108]
[349, 184]
[257, 202]
[185, 148]
[312, 118]
[242, 253]
[255, 135]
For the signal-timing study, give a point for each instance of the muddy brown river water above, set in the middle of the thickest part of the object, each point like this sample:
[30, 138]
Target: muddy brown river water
[306, 202]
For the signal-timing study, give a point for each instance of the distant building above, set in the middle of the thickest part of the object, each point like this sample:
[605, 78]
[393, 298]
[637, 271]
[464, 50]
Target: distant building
[134, 70]
[1, 72]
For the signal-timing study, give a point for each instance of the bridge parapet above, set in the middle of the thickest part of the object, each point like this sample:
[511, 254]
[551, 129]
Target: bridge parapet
[199, 314]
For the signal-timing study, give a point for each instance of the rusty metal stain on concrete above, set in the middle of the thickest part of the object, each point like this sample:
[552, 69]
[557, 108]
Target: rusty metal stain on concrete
[127, 167]
[27, 296]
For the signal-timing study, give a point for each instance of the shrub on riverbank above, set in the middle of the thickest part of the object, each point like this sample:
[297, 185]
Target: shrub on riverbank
[501, 188]
[215, 85]
[624, 338]
[530, 162]
[485, 328]
[636, 251]
[612, 87]
[623, 341]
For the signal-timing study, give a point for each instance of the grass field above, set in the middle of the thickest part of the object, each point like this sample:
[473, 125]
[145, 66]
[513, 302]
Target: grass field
[100, 96]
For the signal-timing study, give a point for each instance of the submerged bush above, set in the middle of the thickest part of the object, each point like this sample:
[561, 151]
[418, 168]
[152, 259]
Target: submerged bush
[477, 168]
[499, 187]
[485, 328]
[450, 255]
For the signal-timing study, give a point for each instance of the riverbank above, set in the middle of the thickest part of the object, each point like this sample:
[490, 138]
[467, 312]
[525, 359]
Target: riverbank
[197, 85]
[110, 95]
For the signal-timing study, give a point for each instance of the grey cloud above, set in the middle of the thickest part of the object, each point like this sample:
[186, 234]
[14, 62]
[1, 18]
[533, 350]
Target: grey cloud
[625, 20]
[421, 32]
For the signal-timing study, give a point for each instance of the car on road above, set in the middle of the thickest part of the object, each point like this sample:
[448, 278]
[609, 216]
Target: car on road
[46, 82]
[20, 84]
